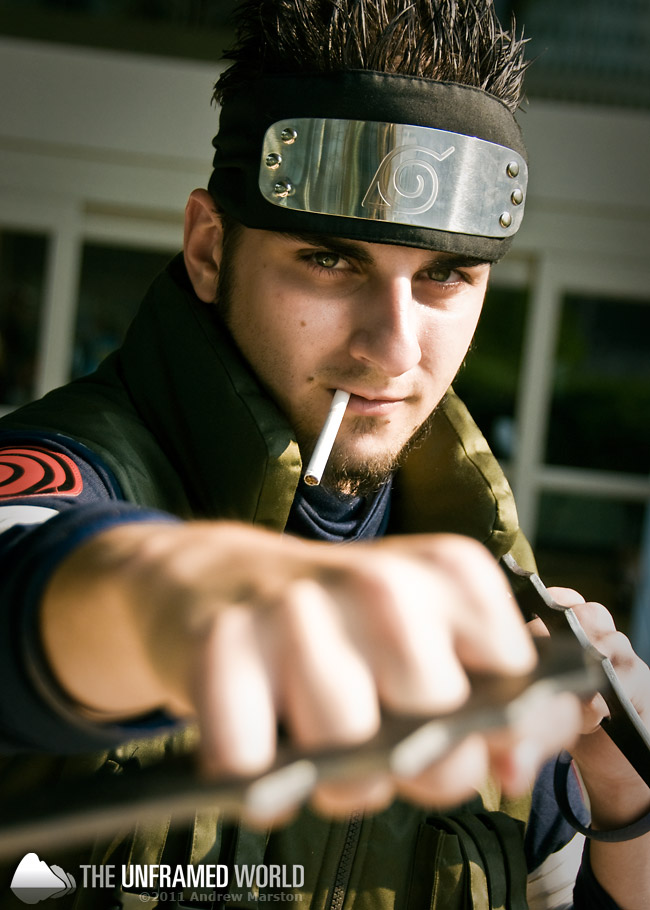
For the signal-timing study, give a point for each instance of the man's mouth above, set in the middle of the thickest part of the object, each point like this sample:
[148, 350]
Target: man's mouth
[371, 405]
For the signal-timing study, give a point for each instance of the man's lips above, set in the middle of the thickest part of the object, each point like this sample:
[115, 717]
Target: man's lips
[371, 405]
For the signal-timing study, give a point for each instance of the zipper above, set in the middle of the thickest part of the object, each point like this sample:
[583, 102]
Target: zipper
[344, 870]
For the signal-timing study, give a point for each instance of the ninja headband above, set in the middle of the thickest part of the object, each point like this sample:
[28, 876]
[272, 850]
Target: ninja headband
[372, 156]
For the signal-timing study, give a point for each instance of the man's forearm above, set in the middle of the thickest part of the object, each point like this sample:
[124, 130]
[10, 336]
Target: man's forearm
[623, 869]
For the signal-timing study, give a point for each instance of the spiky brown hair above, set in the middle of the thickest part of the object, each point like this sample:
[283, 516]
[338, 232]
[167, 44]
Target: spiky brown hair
[447, 40]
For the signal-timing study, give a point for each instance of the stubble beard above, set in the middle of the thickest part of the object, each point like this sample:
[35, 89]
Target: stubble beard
[346, 476]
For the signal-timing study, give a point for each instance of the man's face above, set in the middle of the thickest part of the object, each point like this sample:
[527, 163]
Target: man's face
[389, 324]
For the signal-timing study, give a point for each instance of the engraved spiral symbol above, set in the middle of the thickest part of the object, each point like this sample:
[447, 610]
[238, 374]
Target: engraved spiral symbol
[406, 180]
[36, 471]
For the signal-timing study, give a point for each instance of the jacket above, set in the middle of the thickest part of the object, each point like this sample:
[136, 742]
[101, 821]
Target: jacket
[180, 419]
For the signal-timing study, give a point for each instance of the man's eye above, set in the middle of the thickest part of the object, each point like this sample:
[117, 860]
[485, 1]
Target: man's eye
[440, 275]
[327, 260]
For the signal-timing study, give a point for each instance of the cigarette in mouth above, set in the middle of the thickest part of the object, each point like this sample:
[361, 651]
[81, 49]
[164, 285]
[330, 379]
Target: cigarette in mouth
[326, 439]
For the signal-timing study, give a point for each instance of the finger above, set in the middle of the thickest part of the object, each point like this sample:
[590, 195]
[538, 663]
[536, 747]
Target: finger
[490, 632]
[600, 629]
[233, 696]
[513, 755]
[517, 753]
[537, 628]
[595, 619]
[328, 694]
[453, 779]
[402, 629]
[632, 672]
[337, 799]
[594, 711]
[262, 822]
[566, 596]
[425, 619]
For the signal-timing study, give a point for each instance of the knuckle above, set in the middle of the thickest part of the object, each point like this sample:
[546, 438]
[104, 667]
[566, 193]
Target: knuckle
[453, 558]
[621, 651]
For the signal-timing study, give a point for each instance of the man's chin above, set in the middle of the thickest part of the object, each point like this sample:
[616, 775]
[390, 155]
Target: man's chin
[352, 479]
[363, 472]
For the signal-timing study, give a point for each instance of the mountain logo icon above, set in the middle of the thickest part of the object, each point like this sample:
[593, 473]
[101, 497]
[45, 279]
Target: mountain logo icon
[34, 881]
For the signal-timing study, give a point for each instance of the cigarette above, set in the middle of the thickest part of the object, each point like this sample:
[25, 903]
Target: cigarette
[326, 439]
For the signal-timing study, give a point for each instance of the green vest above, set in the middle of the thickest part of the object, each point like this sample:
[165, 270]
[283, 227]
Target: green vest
[185, 427]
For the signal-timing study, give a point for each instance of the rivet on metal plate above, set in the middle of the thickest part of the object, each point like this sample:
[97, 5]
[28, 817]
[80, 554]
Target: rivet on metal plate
[517, 196]
[505, 220]
[288, 135]
[283, 188]
[513, 169]
[273, 160]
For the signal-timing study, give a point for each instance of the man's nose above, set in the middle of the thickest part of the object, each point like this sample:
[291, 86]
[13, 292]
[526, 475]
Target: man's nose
[385, 333]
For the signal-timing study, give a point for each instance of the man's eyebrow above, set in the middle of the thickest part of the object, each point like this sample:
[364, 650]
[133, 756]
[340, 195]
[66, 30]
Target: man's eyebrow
[347, 248]
[352, 250]
[454, 261]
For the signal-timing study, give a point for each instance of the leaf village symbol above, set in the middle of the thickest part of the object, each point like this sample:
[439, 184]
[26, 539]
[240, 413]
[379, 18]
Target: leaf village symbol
[406, 180]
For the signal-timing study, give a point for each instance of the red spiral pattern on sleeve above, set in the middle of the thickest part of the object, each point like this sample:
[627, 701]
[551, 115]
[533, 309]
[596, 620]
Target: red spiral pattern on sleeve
[36, 471]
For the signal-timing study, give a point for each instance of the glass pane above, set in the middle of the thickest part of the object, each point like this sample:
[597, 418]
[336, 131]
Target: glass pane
[22, 269]
[593, 545]
[600, 416]
[113, 282]
[487, 382]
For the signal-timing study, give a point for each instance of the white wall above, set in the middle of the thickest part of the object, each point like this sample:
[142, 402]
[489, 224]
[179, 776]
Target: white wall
[104, 127]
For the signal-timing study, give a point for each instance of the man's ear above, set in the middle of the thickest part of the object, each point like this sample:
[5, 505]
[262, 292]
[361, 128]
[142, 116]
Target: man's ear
[202, 244]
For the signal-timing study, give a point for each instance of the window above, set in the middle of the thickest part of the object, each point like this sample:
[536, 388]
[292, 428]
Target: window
[113, 282]
[600, 407]
[592, 544]
[488, 380]
[22, 269]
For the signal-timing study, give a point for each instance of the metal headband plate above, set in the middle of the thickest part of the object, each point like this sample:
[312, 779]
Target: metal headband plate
[413, 175]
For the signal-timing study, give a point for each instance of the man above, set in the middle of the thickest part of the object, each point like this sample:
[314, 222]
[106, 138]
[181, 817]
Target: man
[164, 561]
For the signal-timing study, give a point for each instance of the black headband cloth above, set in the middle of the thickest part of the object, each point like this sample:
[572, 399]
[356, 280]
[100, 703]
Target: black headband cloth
[352, 95]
